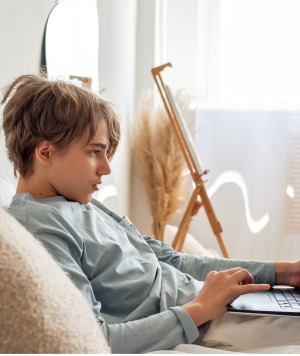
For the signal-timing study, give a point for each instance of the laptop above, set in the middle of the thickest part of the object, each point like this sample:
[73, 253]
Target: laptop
[279, 300]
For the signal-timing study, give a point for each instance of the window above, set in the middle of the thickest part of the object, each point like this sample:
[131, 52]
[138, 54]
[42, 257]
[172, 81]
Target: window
[259, 53]
[235, 53]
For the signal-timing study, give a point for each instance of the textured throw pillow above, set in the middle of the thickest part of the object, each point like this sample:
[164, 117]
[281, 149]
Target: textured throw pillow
[41, 311]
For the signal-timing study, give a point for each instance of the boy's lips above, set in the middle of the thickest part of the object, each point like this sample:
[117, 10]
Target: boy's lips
[95, 185]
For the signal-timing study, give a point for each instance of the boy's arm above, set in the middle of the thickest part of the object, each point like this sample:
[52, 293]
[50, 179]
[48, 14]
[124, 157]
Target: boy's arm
[219, 290]
[287, 273]
[160, 331]
[199, 266]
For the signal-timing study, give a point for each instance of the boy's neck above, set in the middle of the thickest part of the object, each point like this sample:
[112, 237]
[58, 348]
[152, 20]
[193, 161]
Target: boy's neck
[35, 187]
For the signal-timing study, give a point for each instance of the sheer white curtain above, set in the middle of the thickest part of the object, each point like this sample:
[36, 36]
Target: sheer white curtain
[239, 60]
[253, 156]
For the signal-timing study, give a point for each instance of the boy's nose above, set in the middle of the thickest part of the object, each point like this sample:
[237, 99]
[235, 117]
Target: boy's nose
[108, 169]
[104, 169]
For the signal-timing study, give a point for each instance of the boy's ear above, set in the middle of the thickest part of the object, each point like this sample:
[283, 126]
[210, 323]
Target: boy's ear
[43, 153]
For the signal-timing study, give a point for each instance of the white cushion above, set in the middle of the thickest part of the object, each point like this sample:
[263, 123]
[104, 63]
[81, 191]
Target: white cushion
[41, 311]
[7, 191]
[190, 245]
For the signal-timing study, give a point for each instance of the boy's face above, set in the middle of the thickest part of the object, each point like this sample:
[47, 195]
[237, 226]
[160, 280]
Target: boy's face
[76, 173]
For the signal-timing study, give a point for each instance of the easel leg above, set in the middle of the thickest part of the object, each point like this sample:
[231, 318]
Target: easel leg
[185, 222]
[190, 211]
[214, 223]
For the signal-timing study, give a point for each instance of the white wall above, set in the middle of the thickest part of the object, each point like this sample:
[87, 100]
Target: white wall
[146, 45]
[117, 60]
[22, 24]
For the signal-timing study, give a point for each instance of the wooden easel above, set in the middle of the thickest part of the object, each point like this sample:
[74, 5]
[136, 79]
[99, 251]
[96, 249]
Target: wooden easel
[191, 158]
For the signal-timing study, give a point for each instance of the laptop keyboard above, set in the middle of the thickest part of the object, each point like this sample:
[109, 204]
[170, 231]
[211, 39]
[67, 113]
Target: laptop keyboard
[287, 298]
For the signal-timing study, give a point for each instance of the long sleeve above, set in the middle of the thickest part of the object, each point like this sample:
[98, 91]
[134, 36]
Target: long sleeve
[118, 274]
[135, 285]
[156, 332]
[199, 266]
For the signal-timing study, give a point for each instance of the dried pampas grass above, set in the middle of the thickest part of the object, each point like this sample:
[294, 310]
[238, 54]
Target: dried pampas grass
[161, 162]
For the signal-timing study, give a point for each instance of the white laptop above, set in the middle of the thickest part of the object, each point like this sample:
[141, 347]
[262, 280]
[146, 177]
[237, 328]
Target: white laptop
[280, 300]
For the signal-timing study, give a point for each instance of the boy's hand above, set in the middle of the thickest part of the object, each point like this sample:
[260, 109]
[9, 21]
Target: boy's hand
[219, 290]
[287, 273]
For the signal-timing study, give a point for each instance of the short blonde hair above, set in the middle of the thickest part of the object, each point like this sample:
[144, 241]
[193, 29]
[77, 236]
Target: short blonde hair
[38, 109]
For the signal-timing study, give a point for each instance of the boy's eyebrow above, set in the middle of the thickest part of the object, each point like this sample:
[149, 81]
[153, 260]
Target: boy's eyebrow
[103, 146]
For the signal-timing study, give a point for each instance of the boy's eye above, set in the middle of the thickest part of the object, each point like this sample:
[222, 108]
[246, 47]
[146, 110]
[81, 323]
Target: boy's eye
[95, 153]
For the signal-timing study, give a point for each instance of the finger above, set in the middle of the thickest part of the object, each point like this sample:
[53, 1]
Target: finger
[243, 277]
[242, 283]
[252, 288]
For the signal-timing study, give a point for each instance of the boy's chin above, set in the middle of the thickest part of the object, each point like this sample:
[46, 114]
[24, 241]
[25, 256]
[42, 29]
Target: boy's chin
[86, 201]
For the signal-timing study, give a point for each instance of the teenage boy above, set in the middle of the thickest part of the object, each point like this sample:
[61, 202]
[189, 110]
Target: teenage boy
[145, 295]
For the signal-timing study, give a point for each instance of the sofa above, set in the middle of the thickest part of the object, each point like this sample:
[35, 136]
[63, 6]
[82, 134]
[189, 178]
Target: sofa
[41, 311]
